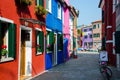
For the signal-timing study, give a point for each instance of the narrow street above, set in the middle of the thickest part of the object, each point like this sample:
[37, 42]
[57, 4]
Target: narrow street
[85, 67]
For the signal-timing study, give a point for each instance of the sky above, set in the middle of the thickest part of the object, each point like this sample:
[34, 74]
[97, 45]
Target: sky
[88, 11]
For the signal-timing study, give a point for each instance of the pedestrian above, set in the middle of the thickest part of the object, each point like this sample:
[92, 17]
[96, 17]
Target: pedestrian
[103, 55]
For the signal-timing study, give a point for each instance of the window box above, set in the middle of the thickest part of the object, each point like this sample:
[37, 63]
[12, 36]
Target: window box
[39, 10]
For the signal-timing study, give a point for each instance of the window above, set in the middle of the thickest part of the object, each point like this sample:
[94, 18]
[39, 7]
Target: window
[85, 36]
[85, 44]
[91, 36]
[40, 42]
[50, 41]
[85, 30]
[102, 16]
[90, 29]
[7, 41]
[94, 26]
[59, 10]
[98, 26]
[60, 41]
[48, 5]
[39, 3]
[96, 35]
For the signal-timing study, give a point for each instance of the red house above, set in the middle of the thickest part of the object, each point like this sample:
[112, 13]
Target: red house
[22, 38]
[108, 28]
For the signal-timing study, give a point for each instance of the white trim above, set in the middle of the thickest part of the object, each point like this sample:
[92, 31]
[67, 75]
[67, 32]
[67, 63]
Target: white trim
[25, 28]
[102, 4]
[6, 20]
[38, 29]
[59, 33]
[113, 42]
[109, 27]
[19, 62]
[48, 29]
[109, 41]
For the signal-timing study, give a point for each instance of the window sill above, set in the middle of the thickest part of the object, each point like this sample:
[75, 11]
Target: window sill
[39, 53]
[6, 59]
[49, 52]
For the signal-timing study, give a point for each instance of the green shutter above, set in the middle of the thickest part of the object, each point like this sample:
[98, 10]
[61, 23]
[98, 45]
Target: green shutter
[12, 41]
[41, 2]
[0, 38]
[41, 41]
[51, 40]
[61, 41]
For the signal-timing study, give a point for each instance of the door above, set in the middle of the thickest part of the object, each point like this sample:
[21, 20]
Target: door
[55, 50]
[26, 52]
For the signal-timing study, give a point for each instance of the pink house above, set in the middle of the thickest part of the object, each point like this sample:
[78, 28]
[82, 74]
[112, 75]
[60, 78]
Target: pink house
[66, 29]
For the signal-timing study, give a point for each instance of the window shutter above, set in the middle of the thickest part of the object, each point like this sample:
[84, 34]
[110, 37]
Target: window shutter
[12, 40]
[51, 39]
[41, 2]
[61, 42]
[117, 42]
[41, 40]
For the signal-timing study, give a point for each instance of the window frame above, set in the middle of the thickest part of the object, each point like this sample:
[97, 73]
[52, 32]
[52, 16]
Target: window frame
[59, 11]
[38, 43]
[10, 25]
[49, 6]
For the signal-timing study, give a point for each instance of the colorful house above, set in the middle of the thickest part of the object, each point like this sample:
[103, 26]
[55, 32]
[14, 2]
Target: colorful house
[66, 30]
[108, 25]
[97, 34]
[22, 38]
[54, 36]
[74, 13]
[87, 38]
[116, 38]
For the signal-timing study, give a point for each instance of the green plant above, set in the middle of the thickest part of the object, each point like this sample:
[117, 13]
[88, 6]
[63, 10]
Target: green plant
[26, 2]
[4, 52]
[38, 48]
[39, 10]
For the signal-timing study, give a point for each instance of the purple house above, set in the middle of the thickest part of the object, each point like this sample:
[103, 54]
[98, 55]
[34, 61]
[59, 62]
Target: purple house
[87, 40]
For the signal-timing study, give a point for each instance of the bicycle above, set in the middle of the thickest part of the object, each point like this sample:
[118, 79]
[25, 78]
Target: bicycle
[105, 70]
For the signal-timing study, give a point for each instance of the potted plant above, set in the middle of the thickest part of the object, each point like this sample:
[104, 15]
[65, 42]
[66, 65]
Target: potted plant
[26, 2]
[4, 51]
[38, 48]
[39, 10]
[48, 48]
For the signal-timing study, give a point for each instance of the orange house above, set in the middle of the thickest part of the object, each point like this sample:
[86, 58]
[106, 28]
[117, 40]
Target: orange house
[22, 38]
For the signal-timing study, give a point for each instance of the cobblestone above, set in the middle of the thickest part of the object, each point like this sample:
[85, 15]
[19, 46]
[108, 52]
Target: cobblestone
[85, 67]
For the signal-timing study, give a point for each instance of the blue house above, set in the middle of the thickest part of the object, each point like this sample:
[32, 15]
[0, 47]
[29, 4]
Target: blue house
[54, 35]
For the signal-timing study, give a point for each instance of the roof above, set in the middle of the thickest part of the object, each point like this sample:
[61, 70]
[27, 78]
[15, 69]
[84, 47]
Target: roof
[97, 21]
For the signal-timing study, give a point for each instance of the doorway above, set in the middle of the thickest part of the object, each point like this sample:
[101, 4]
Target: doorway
[54, 56]
[25, 53]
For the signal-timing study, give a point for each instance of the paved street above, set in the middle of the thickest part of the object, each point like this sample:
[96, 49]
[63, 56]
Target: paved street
[85, 67]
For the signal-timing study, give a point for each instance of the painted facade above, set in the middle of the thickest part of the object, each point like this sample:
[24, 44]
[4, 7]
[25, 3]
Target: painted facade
[20, 33]
[108, 25]
[54, 37]
[66, 30]
[97, 34]
[87, 39]
[116, 45]
[75, 14]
